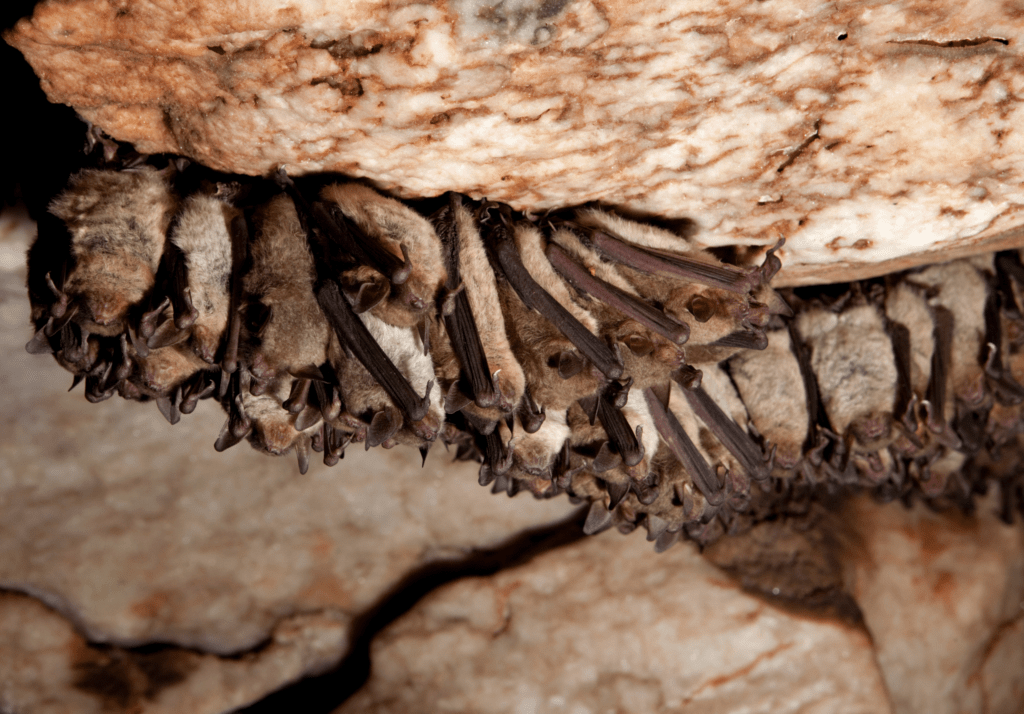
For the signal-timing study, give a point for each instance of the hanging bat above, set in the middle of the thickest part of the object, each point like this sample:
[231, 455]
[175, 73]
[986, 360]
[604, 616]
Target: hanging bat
[536, 452]
[118, 223]
[852, 358]
[907, 308]
[961, 291]
[363, 396]
[651, 337]
[519, 253]
[384, 227]
[276, 430]
[202, 233]
[291, 335]
[771, 386]
[474, 324]
[724, 306]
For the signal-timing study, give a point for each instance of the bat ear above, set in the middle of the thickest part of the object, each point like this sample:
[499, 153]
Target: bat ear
[369, 294]
[639, 345]
[60, 321]
[606, 459]
[298, 398]
[666, 540]
[688, 377]
[383, 426]
[258, 316]
[169, 409]
[655, 527]
[589, 405]
[401, 274]
[455, 400]
[570, 363]
[307, 418]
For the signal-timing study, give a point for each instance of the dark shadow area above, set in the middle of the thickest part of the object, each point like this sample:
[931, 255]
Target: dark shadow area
[44, 141]
[326, 692]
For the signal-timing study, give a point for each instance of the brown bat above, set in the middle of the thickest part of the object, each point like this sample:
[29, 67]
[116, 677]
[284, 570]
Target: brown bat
[474, 324]
[202, 233]
[651, 338]
[391, 227]
[364, 397]
[118, 223]
[772, 388]
[518, 253]
[852, 358]
[557, 373]
[725, 307]
[275, 429]
[291, 335]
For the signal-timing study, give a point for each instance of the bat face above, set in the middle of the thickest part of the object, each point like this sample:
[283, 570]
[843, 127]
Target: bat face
[163, 369]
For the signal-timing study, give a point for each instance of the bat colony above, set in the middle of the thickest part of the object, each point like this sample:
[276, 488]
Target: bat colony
[580, 353]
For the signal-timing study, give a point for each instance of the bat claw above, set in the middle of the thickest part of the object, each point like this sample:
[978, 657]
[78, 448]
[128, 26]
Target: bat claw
[599, 519]
[302, 454]
[616, 492]
[401, 274]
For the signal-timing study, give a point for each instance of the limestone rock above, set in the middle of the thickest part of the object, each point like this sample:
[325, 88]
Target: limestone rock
[609, 625]
[872, 136]
[943, 597]
[45, 666]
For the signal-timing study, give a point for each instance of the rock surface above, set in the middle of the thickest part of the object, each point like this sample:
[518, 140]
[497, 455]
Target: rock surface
[943, 597]
[872, 136]
[609, 625]
[45, 666]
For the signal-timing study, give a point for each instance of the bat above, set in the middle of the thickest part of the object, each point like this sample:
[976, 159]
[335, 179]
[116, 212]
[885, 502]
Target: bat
[118, 223]
[725, 307]
[651, 338]
[852, 358]
[520, 270]
[291, 335]
[203, 235]
[399, 244]
[771, 386]
[473, 321]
